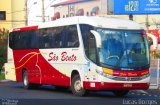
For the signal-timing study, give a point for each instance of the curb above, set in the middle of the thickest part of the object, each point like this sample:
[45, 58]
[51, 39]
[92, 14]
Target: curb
[4, 80]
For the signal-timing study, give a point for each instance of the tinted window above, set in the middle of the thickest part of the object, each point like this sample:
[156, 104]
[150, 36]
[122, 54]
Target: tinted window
[88, 41]
[23, 40]
[57, 37]
[72, 39]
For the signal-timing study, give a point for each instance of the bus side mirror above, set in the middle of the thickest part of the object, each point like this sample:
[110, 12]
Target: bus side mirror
[97, 37]
[154, 39]
[150, 43]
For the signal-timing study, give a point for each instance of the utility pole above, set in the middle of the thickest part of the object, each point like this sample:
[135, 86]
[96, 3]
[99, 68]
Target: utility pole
[147, 23]
[131, 17]
[26, 10]
[43, 12]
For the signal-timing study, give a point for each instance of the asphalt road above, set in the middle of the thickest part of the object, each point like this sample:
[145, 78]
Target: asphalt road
[12, 93]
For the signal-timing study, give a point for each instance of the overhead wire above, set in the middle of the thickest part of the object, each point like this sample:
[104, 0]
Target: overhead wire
[18, 11]
[7, 21]
[49, 4]
[28, 2]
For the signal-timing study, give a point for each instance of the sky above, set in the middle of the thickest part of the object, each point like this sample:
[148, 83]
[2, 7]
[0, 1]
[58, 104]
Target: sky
[35, 11]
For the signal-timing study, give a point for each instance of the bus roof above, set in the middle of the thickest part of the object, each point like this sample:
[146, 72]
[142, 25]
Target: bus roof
[103, 22]
[96, 21]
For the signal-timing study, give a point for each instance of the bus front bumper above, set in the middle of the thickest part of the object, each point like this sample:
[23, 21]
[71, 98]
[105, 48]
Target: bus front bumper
[115, 86]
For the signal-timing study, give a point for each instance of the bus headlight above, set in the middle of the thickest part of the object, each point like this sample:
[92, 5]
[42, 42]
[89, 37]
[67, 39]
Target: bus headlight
[104, 74]
[99, 72]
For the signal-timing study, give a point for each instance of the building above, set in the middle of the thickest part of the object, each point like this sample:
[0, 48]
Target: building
[18, 13]
[67, 8]
[12, 13]
[5, 14]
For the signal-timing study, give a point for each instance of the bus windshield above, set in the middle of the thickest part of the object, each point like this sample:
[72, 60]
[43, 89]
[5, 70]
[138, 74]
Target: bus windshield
[122, 49]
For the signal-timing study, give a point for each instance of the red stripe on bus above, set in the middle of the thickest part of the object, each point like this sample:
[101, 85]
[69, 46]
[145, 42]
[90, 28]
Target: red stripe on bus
[25, 28]
[130, 73]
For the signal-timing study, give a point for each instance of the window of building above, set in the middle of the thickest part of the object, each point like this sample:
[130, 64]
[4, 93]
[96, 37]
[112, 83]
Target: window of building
[95, 11]
[2, 15]
[80, 12]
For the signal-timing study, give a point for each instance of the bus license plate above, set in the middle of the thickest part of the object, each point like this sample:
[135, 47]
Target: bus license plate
[127, 85]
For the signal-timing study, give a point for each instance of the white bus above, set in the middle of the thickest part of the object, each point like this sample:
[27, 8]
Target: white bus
[84, 53]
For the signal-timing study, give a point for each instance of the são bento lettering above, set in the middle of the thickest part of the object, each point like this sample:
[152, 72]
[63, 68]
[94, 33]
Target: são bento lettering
[64, 56]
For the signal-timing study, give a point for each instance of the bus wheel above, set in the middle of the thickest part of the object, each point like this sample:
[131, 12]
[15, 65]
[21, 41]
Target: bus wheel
[120, 93]
[76, 87]
[26, 83]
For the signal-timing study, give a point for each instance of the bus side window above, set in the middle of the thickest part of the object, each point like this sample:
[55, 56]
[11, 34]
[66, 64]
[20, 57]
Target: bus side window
[24, 43]
[72, 37]
[34, 41]
[11, 43]
[17, 40]
[30, 39]
[51, 37]
[58, 37]
[44, 39]
[41, 41]
[73, 42]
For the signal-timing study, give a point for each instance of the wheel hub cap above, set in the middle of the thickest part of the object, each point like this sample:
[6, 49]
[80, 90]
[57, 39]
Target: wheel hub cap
[77, 85]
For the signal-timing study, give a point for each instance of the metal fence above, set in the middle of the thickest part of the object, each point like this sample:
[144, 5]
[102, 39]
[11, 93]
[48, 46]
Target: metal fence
[155, 74]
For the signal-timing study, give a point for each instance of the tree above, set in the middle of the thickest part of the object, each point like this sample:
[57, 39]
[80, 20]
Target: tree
[3, 46]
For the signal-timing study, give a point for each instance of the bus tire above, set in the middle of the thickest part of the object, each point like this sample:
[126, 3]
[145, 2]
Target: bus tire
[26, 83]
[76, 87]
[120, 93]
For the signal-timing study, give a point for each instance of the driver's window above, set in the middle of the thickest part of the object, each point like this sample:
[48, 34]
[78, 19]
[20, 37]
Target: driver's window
[92, 47]
[89, 42]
